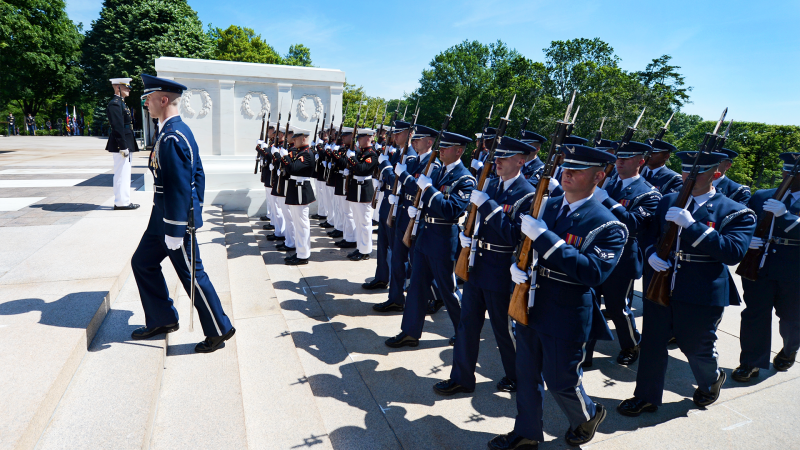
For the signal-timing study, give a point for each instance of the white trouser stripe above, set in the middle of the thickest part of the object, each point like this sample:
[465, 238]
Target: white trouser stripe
[578, 386]
[629, 318]
[202, 294]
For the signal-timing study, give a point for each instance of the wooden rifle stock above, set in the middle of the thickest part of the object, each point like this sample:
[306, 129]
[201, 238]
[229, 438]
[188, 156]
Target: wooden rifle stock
[751, 263]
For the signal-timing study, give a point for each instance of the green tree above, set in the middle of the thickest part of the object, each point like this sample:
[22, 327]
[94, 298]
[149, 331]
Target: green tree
[299, 55]
[39, 53]
[129, 36]
[242, 44]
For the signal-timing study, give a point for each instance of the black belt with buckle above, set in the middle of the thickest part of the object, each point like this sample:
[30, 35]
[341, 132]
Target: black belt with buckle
[784, 241]
[689, 257]
[554, 275]
[495, 248]
[410, 198]
[437, 221]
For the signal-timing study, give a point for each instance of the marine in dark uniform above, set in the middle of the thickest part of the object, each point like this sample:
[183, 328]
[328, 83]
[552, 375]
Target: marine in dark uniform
[179, 190]
[299, 167]
[361, 163]
[121, 142]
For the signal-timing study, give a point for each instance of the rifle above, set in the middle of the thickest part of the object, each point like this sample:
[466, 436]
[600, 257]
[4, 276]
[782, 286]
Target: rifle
[395, 186]
[525, 256]
[406, 110]
[281, 183]
[479, 146]
[571, 125]
[375, 119]
[258, 150]
[626, 138]
[276, 178]
[377, 172]
[333, 142]
[660, 289]
[598, 136]
[755, 257]
[525, 122]
[659, 136]
[466, 256]
[353, 142]
[413, 226]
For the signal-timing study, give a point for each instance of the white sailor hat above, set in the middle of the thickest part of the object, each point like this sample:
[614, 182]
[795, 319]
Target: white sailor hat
[347, 130]
[300, 131]
[123, 81]
[366, 132]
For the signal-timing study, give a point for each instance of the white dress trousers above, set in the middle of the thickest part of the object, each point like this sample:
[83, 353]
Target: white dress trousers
[362, 214]
[122, 180]
[302, 230]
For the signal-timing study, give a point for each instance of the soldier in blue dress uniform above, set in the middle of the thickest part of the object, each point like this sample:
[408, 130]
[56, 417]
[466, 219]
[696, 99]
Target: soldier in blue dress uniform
[555, 182]
[489, 285]
[633, 201]
[778, 283]
[179, 187]
[578, 242]
[486, 144]
[408, 172]
[534, 167]
[666, 180]
[385, 232]
[445, 196]
[728, 187]
[715, 232]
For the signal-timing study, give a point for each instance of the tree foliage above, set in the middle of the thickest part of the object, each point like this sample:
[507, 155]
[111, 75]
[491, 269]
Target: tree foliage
[299, 55]
[242, 44]
[39, 53]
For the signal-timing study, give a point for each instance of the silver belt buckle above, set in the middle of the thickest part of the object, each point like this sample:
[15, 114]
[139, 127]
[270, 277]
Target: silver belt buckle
[544, 271]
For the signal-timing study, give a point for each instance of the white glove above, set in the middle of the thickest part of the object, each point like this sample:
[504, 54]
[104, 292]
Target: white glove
[756, 243]
[399, 169]
[392, 199]
[350, 154]
[346, 172]
[477, 165]
[260, 143]
[600, 194]
[173, 243]
[284, 152]
[776, 207]
[275, 150]
[466, 242]
[679, 216]
[658, 264]
[518, 275]
[553, 185]
[478, 197]
[424, 182]
[392, 150]
[316, 156]
[383, 158]
[533, 227]
[124, 153]
[412, 212]
[271, 167]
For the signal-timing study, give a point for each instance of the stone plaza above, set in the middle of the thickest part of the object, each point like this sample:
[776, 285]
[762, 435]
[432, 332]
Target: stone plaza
[307, 368]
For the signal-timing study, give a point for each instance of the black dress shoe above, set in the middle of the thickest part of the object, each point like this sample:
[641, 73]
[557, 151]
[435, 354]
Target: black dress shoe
[450, 387]
[402, 340]
[146, 333]
[323, 218]
[632, 407]
[744, 373]
[345, 244]
[315, 216]
[284, 248]
[434, 306]
[703, 398]
[213, 343]
[512, 441]
[292, 256]
[358, 256]
[628, 356]
[506, 385]
[375, 284]
[126, 208]
[587, 365]
[335, 233]
[353, 253]
[387, 306]
[272, 237]
[264, 218]
[375, 231]
[374, 223]
[325, 225]
[783, 362]
[584, 432]
[268, 227]
[296, 262]
[452, 341]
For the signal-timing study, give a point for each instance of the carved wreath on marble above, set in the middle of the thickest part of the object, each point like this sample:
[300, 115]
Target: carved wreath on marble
[187, 98]
[265, 105]
[301, 107]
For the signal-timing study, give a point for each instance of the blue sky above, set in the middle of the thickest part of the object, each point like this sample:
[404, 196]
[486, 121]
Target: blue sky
[741, 54]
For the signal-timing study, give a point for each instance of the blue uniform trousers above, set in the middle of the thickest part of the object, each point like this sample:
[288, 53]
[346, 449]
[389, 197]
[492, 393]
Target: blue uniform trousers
[617, 294]
[756, 328]
[158, 307]
[385, 239]
[546, 359]
[474, 304]
[695, 328]
[425, 272]
[400, 261]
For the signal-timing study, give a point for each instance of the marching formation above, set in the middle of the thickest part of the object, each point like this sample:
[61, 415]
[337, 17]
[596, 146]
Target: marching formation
[540, 240]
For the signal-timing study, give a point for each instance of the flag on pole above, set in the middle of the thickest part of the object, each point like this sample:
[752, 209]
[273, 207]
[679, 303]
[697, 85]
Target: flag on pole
[67, 121]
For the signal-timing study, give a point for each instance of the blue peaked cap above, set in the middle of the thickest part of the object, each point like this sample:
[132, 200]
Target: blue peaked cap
[789, 159]
[529, 137]
[422, 131]
[400, 126]
[509, 146]
[731, 154]
[453, 140]
[661, 146]
[153, 84]
[580, 157]
[575, 140]
[707, 160]
[632, 149]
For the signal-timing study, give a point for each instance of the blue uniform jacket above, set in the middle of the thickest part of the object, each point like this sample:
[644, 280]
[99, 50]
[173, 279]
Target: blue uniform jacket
[387, 174]
[667, 181]
[532, 171]
[734, 190]
[415, 165]
[722, 230]
[634, 206]
[446, 199]
[783, 261]
[500, 219]
[584, 247]
[178, 175]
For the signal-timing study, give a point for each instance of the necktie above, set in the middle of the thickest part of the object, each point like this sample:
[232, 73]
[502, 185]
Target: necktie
[646, 173]
[562, 215]
[692, 205]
